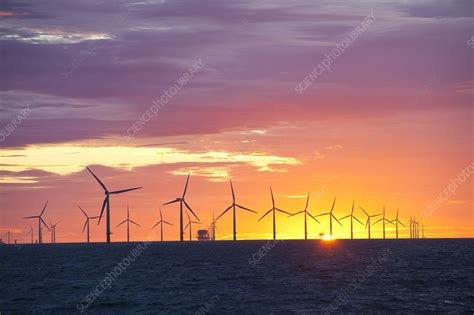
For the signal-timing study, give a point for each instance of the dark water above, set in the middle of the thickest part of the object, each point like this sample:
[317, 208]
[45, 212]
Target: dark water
[292, 277]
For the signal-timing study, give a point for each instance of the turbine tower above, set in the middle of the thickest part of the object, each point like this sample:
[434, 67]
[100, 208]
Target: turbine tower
[128, 221]
[161, 225]
[53, 233]
[40, 220]
[213, 227]
[233, 206]
[274, 209]
[331, 216]
[190, 225]
[31, 231]
[182, 201]
[87, 223]
[367, 224]
[384, 220]
[352, 219]
[397, 221]
[306, 213]
[107, 202]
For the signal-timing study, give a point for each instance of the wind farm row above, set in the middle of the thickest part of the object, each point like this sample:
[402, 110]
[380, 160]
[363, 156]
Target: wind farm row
[416, 229]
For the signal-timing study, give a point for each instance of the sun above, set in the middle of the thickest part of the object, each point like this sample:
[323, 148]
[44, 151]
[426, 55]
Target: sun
[327, 237]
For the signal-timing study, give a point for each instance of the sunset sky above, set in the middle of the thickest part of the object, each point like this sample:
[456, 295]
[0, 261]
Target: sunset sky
[389, 123]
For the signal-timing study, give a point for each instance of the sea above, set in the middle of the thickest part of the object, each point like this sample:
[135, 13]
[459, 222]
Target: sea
[244, 277]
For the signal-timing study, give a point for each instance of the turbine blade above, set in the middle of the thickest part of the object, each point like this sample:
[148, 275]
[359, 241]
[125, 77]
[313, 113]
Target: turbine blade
[232, 189]
[121, 223]
[264, 215]
[102, 211]
[186, 186]
[319, 215]
[273, 198]
[296, 213]
[345, 217]
[44, 208]
[223, 212]
[83, 211]
[333, 203]
[244, 208]
[135, 223]
[367, 222]
[313, 217]
[307, 202]
[401, 223]
[44, 223]
[283, 211]
[364, 211]
[189, 208]
[124, 190]
[97, 179]
[167, 223]
[336, 219]
[170, 202]
[85, 224]
[32, 217]
[156, 224]
[357, 220]
[378, 221]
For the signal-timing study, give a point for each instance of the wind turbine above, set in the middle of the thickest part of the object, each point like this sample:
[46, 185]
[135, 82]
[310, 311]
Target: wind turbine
[213, 227]
[161, 225]
[397, 222]
[40, 220]
[53, 233]
[128, 224]
[86, 224]
[274, 209]
[367, 224]
[352, 216]
[306, 213]
[383, 219]
[31, 233]
[331, 216]
[234, 206]
[107, 202]
[181, 200]
[190, 225]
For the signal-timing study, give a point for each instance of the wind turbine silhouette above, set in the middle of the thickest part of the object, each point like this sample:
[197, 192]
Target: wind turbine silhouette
[161, 225]
[274, 209]
[107, 202]
[40, 220]
[31, 233]
[383, 219]
[306, 213]
[352, 216]
[128, 221]
[53, 233]
[181, 200]
[367, 224]
[331, 216]
[190, 225]
[411, 227]
[86, 224]
[234, 206]
[396, 223]
[213, 227]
